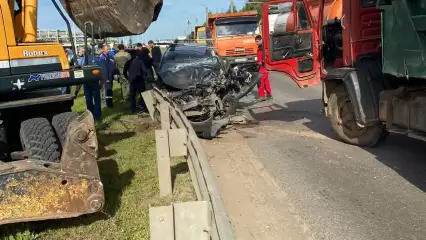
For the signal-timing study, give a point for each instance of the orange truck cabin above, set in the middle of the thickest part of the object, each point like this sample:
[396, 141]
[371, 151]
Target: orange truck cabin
[233, 36]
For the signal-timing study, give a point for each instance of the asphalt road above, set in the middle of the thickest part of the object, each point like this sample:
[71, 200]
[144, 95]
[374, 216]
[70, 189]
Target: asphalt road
[340, 191]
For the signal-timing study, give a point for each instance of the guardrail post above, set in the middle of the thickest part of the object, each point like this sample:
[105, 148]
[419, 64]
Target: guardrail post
[183, 141]
[163, 162]
[149, 102]
[165, 115]
[181, 221]
[161, 223]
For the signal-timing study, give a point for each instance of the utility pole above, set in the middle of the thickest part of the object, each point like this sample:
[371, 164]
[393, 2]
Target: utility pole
[231, 5]
[207, 21]
[75, 37]
[207, 15]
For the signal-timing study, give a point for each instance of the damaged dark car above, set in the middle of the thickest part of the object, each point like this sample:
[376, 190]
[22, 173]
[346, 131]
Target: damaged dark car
[203, 85]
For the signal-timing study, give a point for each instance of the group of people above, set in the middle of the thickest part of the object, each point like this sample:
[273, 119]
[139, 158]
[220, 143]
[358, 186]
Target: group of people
[133, 69]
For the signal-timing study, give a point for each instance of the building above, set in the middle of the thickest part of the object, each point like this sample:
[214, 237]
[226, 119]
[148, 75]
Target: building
[61, 36]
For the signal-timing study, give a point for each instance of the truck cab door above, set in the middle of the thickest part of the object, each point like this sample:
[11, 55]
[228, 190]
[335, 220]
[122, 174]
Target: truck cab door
[290, 43]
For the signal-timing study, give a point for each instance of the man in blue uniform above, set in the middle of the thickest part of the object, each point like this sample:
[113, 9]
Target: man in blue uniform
[92, 90]
[108, 72]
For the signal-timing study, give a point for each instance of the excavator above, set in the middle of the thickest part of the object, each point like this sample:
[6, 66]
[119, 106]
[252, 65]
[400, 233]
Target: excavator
[48, 154]
[369, 56]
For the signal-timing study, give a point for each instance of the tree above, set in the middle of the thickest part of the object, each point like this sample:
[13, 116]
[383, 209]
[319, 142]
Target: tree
[233, 9]
[190, 36]
[254, 5]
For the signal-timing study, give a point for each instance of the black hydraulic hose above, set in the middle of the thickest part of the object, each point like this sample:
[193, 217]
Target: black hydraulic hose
[86, 56]
[86, 49]
[255, 79]
[68, 28]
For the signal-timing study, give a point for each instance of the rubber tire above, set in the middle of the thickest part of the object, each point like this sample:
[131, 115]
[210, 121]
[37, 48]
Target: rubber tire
[60, 124]
[372, 136]
[232, 109]
[39, 141]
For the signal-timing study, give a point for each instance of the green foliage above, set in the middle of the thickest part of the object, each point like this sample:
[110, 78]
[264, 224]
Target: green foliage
[233, 8]
[25, 235]
[254, 5]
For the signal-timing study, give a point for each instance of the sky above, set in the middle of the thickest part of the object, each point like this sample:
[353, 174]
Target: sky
[172, 22]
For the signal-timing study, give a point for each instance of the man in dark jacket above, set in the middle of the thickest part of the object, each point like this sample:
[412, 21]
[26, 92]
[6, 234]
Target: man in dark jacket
[135, 72]
[155, 54]
[108, 72]
[143, 55]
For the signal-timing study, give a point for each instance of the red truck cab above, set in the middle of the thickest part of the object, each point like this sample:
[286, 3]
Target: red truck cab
[368, 55]
[299, 45]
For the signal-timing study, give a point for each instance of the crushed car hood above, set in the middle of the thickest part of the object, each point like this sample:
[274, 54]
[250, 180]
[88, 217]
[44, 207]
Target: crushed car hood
[113, 18]
[181, 76]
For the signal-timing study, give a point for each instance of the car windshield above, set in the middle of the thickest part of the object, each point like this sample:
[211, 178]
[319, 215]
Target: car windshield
[236, 29]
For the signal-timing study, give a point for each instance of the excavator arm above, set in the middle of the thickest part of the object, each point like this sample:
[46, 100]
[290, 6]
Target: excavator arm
[54, 173]
[114, 18]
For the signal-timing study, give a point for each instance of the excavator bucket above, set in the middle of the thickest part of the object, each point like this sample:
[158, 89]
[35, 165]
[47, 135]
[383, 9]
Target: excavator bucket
[114, 18]
[32, 190]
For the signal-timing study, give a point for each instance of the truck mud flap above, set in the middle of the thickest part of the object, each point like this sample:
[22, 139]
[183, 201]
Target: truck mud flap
[32, 190]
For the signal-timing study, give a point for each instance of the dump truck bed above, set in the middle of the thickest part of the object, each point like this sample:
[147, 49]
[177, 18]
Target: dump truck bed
[114, 18]
[229, 15]
[403, 38]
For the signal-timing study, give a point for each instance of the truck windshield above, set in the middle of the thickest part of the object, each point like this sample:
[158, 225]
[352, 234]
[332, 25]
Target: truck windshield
[201, 35]
[236, 29]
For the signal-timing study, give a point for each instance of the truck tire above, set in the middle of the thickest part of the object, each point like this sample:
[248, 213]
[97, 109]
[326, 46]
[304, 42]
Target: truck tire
[60, 124]
[230, 107]
[39, 141]
[343, 121]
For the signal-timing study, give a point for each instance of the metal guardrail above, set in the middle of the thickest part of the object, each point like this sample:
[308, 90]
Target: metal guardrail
[184, 141]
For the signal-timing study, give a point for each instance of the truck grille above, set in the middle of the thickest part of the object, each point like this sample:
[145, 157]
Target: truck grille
[237, 51]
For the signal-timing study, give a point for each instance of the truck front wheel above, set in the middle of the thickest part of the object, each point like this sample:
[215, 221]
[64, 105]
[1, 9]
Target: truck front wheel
[343, 121]
[39, 141]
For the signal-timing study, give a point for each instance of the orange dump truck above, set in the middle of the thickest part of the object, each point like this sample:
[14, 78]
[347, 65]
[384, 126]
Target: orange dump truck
[233, 36]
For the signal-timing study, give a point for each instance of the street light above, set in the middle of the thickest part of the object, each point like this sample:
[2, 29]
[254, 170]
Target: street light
[207, 12]
[207, 21]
